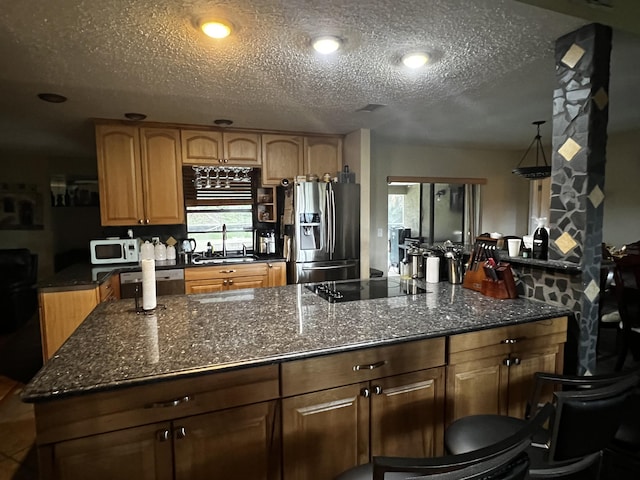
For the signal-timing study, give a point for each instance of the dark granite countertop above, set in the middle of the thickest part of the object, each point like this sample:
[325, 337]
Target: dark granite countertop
[114, 347]
[85, 275]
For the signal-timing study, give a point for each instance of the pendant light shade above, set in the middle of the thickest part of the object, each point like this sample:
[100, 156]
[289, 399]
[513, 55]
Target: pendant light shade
[537, 171]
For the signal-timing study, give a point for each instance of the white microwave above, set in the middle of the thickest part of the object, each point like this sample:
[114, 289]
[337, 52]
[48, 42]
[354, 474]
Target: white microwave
[115, 250]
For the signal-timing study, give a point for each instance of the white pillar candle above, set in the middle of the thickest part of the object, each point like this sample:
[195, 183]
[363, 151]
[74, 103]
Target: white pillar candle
[433, 269]
[148, 284]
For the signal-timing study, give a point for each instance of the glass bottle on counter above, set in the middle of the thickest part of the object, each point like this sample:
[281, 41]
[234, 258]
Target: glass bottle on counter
[540, 241]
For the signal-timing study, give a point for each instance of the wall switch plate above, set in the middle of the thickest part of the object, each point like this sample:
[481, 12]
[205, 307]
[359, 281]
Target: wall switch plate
[380, 232]
[155, 239]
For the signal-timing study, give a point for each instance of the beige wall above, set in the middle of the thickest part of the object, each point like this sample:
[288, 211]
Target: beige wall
[621, 223]
[63, 230]
[505, 197]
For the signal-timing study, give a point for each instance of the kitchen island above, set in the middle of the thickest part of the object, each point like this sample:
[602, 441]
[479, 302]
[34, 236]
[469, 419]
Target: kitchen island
[251, 375]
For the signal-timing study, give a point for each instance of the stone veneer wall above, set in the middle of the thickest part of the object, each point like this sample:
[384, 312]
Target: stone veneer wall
[580, 116]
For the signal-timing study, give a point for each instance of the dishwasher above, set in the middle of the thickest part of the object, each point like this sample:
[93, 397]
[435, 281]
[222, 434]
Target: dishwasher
[168, 282]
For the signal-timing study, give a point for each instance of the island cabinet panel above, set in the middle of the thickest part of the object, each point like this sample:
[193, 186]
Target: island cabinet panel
[60, 315]
[325, 432]
[139, 175]
[241, 442]
[377, 401]
[127, 428]
[491, 371]
[131, 453]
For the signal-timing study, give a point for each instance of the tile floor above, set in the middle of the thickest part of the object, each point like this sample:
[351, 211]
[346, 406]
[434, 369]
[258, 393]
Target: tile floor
[18, 460]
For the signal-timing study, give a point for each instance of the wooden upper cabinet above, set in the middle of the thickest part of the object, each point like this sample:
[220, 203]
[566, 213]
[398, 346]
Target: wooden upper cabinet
[322, 155]
[139, 175]
[162, 176]
[282, 157]
[203, 147]
[242, 149]
[119, 174]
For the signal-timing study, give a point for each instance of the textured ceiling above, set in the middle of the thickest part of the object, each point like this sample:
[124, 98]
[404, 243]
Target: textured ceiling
[492, 76]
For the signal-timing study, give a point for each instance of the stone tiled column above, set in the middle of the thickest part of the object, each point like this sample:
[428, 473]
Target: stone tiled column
[580, 116]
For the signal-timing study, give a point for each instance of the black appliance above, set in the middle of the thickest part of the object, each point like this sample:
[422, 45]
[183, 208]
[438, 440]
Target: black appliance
[351, 290]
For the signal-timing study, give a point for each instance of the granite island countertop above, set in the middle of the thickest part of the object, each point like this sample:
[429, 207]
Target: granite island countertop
[196, 334]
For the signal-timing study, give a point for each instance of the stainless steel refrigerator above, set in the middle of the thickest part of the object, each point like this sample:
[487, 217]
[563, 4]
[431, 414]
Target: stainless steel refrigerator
[325, 238]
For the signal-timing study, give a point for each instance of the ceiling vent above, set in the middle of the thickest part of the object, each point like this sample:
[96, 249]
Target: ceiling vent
[372, 107]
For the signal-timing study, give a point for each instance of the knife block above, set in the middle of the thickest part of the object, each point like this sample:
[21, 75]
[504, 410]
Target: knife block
[503, 288]
[473, 279]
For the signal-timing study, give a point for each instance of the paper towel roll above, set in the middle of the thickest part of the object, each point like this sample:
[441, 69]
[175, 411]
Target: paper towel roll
[148, 284]
[433, 269]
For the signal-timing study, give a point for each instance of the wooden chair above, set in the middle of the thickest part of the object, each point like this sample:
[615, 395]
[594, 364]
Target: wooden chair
[627, 291]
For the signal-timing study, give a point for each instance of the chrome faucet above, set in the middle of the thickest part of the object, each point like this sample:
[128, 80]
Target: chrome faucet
[224, 239]
[244, 250]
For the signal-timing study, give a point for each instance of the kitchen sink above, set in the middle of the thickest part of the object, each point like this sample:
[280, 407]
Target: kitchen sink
[220, 260]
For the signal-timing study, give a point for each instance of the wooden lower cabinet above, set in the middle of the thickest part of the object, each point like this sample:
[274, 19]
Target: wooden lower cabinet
[241, 442]
[330, 431]
[234, 277]
[61, 312]
[277, 274]
[340, 410]
[131, 453]
[496, 377]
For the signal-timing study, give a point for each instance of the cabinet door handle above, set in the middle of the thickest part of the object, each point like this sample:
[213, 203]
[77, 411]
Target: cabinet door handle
[180, 432]
[163, 435]
[516, 361]
[225, 282]
[140, 221]
[377, 389]
[365, 392]
[227, 271]
[146, 221]
[170, 403]
[511, 341]
[270, 265]
[230, 282]
[371, 366]
[507, 362]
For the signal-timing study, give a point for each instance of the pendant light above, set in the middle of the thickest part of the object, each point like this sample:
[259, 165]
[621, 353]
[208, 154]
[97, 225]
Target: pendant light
[539, 171]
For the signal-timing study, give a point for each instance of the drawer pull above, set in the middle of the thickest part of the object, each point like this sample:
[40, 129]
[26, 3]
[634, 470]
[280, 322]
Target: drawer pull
[371, 366]
[170, 403]
[365, 392]
[511, 341]
[227, 271]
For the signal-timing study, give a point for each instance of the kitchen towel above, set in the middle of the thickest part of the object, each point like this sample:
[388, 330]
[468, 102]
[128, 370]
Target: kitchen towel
[148, 284]
[433, 269]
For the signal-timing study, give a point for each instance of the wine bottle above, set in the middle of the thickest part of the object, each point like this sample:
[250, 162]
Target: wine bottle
[540, 241]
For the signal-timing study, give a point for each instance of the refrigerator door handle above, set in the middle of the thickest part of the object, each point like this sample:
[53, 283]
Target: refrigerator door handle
[330, 267]
[333, 222]
[327, 223]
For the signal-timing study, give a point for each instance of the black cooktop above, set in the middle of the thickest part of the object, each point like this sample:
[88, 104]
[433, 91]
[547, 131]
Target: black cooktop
[350, 290]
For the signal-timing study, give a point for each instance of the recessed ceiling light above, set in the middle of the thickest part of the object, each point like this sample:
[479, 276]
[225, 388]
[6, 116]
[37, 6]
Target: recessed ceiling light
[135, 116]
[216, 28]
[326, 44]
[52, 97]
[415, 59]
